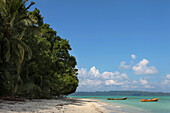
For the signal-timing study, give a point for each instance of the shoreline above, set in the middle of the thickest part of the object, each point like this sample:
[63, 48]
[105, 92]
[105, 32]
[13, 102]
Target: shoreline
[65, 105]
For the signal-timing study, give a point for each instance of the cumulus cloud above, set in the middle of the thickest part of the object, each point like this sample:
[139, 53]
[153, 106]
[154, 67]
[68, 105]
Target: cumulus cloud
[133, 56]
[91, 82]
[143, 81]
[142, 68]
[108, 75]
[123, 75]
[124, 66]
[82, 72]
[166, 80]
[95, 80]
[168, 76]
[94, 71]
[112, 82]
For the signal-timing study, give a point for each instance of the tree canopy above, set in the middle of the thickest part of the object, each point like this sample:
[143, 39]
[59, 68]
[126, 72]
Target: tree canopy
[34, 61]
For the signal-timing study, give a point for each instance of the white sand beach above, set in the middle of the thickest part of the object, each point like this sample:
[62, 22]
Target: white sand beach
[67, 105]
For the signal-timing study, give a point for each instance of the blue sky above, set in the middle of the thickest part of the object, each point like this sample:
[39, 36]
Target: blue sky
[105, 34]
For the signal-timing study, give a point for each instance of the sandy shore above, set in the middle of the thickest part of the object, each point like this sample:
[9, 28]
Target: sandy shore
[68, 105]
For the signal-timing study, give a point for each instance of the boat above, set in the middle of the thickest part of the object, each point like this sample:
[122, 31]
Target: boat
[117, 98]
[149, 100]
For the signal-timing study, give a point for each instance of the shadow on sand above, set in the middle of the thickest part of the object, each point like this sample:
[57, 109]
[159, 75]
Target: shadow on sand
[35, 105]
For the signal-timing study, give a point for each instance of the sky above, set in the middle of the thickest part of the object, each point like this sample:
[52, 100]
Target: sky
[118, 44]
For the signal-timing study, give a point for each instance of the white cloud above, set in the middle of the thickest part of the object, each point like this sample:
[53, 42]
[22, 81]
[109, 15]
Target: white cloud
[123, 75]
[82, 72]
[168, 76]
[144, 62]
[142, 69]
[124, 66]
[135, 81]
[93, 79]
[94, 71]
[143, 81]
[91, 82]
[133, 56]
[112, 82]
[107, 75]
[166, 81]
[110, 75]
[149, 86]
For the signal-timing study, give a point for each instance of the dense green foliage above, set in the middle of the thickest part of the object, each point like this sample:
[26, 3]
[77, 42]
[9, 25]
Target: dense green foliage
[34, 61]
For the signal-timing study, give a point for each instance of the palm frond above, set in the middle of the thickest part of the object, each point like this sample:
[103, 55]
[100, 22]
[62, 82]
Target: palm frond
[7, 53]
[25, 46]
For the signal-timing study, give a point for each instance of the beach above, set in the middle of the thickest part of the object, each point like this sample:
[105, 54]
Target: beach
[87, 104]
[66, 105]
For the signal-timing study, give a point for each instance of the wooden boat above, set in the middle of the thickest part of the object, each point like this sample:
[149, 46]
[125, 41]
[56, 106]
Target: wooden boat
[149, 100]
[117, 98]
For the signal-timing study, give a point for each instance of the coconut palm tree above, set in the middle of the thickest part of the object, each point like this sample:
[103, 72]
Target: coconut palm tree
[14, 22]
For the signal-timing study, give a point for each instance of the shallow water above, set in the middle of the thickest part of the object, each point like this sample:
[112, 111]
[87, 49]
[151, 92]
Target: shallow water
[134, 104]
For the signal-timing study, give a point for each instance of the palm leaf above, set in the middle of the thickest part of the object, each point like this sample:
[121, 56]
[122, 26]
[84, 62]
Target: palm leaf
[25, 46]
[7, 54]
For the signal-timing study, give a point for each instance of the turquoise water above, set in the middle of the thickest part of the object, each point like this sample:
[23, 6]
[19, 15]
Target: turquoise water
[134, 105]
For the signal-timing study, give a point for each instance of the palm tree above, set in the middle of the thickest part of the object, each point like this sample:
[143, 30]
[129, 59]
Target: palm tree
[14, 22]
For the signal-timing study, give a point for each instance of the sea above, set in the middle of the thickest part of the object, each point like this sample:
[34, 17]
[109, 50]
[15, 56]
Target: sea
[133, 104]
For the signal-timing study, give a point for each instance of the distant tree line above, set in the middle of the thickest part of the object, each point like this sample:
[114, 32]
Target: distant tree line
[120, 93]
[34, 61]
